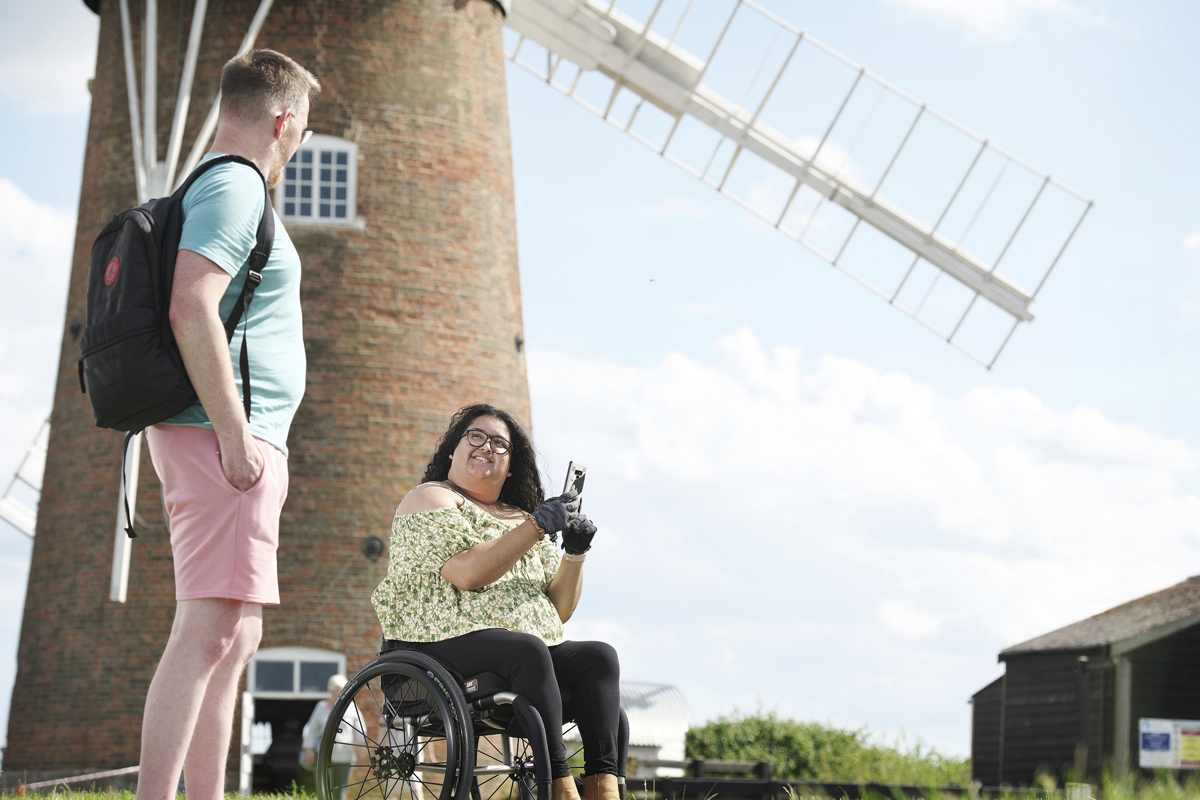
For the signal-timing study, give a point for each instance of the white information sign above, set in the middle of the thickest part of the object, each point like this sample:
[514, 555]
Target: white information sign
[1168, 743]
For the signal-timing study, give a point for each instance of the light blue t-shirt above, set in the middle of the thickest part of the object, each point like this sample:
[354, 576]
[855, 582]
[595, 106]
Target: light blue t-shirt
[221, 212]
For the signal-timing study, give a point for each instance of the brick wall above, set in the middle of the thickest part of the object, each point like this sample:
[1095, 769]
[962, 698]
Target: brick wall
[406, 319]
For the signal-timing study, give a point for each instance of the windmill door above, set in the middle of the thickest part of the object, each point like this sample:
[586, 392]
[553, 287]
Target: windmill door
[283, 686]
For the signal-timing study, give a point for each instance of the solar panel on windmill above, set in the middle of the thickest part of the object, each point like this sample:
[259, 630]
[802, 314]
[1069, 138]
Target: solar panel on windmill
[935, 219]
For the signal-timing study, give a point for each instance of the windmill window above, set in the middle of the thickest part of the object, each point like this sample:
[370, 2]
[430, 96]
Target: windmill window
[320, 182]
[315, 675]
[273, 676]
[293, 671]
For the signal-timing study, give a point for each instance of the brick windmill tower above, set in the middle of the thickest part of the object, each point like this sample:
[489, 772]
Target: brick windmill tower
[402, 209]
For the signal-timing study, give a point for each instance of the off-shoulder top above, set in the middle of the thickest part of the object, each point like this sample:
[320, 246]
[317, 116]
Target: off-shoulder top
[416, 604]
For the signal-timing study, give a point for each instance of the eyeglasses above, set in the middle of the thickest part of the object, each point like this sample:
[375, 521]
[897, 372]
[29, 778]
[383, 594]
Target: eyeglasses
[477, 438]
[305, 136]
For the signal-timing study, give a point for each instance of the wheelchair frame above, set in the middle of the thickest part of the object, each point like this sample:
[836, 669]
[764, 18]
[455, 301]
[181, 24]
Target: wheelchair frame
[422, 724]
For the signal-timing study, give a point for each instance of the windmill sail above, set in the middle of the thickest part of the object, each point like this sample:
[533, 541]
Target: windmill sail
[18, 505]
[941, 223]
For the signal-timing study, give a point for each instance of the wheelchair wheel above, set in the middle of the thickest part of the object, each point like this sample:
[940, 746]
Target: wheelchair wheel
[574, 747]
[400, 728]
[504, 766]
[504, 769]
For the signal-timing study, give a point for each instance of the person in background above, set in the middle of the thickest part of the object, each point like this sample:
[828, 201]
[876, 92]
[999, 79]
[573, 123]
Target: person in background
[344, 747]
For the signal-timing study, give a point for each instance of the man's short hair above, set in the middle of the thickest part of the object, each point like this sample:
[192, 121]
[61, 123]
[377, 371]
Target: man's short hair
[256, 83]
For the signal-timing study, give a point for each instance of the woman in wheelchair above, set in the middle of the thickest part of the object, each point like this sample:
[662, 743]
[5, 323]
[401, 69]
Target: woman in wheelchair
[475, 580]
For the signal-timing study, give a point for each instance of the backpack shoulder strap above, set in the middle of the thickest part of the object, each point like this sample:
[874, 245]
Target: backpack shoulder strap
[265, 240]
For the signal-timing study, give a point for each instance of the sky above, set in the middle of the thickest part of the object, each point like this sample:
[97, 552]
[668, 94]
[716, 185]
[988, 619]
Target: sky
[807, 502]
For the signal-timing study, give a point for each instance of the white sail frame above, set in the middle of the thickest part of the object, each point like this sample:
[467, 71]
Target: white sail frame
[595, 36]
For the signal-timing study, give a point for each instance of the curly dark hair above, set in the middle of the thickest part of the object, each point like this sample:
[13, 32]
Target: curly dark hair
[522, 489]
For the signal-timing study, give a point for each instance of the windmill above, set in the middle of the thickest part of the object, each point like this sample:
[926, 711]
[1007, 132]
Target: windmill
[402, 209]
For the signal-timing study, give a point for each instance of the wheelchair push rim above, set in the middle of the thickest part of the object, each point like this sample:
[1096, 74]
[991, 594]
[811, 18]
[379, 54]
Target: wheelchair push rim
[405, 732]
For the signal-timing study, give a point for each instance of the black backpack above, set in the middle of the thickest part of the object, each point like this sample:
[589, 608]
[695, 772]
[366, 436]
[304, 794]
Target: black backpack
[130, 367]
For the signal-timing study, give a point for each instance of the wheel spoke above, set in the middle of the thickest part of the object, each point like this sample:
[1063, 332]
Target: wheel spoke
[490, 787]
[361, 785]
[361, 730]
[391, 758]
[518, 781]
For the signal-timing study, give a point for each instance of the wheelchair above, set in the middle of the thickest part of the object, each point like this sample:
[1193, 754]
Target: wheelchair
[409, 726]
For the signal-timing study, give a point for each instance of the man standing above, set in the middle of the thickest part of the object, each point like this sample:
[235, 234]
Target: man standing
[225, 477]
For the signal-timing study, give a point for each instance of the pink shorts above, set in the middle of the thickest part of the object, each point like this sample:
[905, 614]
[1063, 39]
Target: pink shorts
[223, 540]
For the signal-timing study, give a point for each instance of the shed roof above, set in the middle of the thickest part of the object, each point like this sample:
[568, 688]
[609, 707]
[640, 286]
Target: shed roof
[1127, 626]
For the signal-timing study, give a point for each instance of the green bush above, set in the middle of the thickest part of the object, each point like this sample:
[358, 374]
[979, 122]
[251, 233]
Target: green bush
[809, 751]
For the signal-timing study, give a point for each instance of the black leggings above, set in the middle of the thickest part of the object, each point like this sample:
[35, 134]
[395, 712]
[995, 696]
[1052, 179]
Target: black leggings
[587, 672]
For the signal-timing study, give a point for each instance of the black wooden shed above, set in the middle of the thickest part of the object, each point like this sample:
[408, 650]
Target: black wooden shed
[1070, 700]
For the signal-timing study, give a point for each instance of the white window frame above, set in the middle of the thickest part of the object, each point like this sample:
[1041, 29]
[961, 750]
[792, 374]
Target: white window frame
[315, 145]
[296, 655]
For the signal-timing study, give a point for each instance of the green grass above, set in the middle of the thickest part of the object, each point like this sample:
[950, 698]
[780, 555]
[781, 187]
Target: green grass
[63, 794]
[1162, 787]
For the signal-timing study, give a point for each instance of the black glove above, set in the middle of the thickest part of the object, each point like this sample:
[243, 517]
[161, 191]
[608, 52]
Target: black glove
[577, 538]
[556, 513]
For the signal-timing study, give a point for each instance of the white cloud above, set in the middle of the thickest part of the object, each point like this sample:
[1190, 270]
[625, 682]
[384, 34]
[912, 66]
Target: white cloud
[843, 531]
[907, 622]
[45, 48]
[36, 242]
[676, 208]
[1192, 241]
[998, 19]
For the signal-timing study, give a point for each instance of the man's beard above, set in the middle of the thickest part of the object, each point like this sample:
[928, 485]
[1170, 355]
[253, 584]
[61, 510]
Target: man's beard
[275, 175]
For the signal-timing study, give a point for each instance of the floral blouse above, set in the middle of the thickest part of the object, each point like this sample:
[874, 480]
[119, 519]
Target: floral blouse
[416, 604]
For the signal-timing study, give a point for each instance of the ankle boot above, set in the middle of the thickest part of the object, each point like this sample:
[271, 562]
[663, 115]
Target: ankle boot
[564, 789]
[600, 787]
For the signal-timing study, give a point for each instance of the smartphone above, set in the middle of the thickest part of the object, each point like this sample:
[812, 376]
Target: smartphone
[575, 475]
